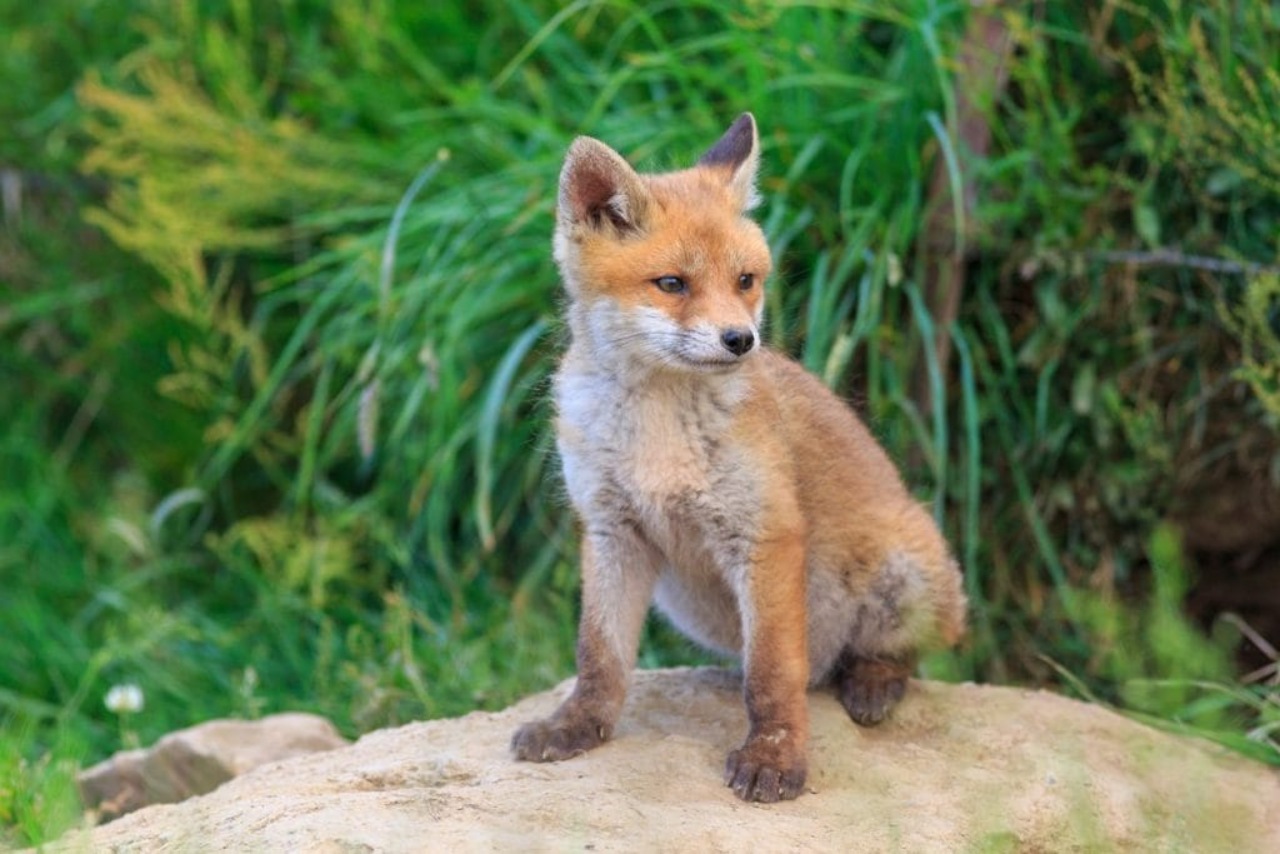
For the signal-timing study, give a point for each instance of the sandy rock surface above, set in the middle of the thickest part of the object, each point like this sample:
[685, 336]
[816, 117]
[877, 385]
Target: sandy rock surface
[958, 768]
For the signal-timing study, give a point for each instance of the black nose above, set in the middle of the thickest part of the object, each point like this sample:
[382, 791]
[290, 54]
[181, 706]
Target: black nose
[737, 341]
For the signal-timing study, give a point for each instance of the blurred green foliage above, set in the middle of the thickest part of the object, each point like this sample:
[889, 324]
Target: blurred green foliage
[282, 441]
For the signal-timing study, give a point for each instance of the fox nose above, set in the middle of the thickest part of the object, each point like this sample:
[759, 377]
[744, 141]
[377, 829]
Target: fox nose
[737, 341]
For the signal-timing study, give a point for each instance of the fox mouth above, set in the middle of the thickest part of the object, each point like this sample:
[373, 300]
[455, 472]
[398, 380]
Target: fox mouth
[695, 355]
[716, 365]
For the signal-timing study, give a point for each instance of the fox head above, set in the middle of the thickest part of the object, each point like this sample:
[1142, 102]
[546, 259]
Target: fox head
[664, 271]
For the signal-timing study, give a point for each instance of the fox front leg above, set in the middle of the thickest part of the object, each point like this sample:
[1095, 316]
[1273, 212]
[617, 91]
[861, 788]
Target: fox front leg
[618, 576]
[771, 766]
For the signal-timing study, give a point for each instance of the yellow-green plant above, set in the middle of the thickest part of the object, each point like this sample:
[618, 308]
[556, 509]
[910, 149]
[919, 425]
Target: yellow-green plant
[1255, 320]
[1214, 86]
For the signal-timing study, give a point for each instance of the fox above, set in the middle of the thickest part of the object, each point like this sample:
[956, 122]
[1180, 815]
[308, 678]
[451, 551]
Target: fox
[718, 479]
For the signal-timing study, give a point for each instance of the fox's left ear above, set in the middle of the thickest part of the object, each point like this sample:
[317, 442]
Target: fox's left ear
[738, 152]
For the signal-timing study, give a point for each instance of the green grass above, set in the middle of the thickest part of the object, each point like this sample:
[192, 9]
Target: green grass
[280, 421]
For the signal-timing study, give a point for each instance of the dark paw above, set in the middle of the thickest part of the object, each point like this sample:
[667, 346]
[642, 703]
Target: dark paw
[554, 739]
[765, 772]
[869, 690]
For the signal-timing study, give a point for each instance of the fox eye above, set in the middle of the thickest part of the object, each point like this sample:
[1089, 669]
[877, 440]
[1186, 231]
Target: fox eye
[746, 281]
[671, 284]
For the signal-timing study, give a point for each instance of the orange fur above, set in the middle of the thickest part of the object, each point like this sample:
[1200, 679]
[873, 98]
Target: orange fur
[720, 479]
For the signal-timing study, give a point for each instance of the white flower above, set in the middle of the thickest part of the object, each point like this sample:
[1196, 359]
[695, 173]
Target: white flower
[125, 699]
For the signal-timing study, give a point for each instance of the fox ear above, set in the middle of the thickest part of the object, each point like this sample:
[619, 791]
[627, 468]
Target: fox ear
[738, 153]
[598, 188]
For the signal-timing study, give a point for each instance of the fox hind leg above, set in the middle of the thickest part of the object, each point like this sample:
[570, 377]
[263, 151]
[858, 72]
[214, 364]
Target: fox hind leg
[869, 688]
[892, 620]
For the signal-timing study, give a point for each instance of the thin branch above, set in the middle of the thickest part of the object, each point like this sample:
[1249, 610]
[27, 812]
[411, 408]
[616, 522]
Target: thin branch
[1174, 258]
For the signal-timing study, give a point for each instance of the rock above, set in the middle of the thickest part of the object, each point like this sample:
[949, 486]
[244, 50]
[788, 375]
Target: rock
[200, 759]
[957, 768]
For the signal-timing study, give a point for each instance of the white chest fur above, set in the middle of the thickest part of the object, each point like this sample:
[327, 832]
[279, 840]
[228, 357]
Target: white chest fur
[660, 458]
[650, 447]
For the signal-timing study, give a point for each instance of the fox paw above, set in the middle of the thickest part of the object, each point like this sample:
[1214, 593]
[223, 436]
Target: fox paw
[869, 689]
[766, 771]
[554, 739]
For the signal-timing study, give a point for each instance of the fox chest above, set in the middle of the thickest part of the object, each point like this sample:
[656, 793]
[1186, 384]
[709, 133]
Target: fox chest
[667, 460]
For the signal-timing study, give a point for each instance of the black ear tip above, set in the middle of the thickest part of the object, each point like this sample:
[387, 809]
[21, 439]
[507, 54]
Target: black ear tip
[743, 125]
[735, 146]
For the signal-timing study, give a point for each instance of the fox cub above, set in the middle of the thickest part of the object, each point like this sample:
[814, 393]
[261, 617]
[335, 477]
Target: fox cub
[720, 479]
